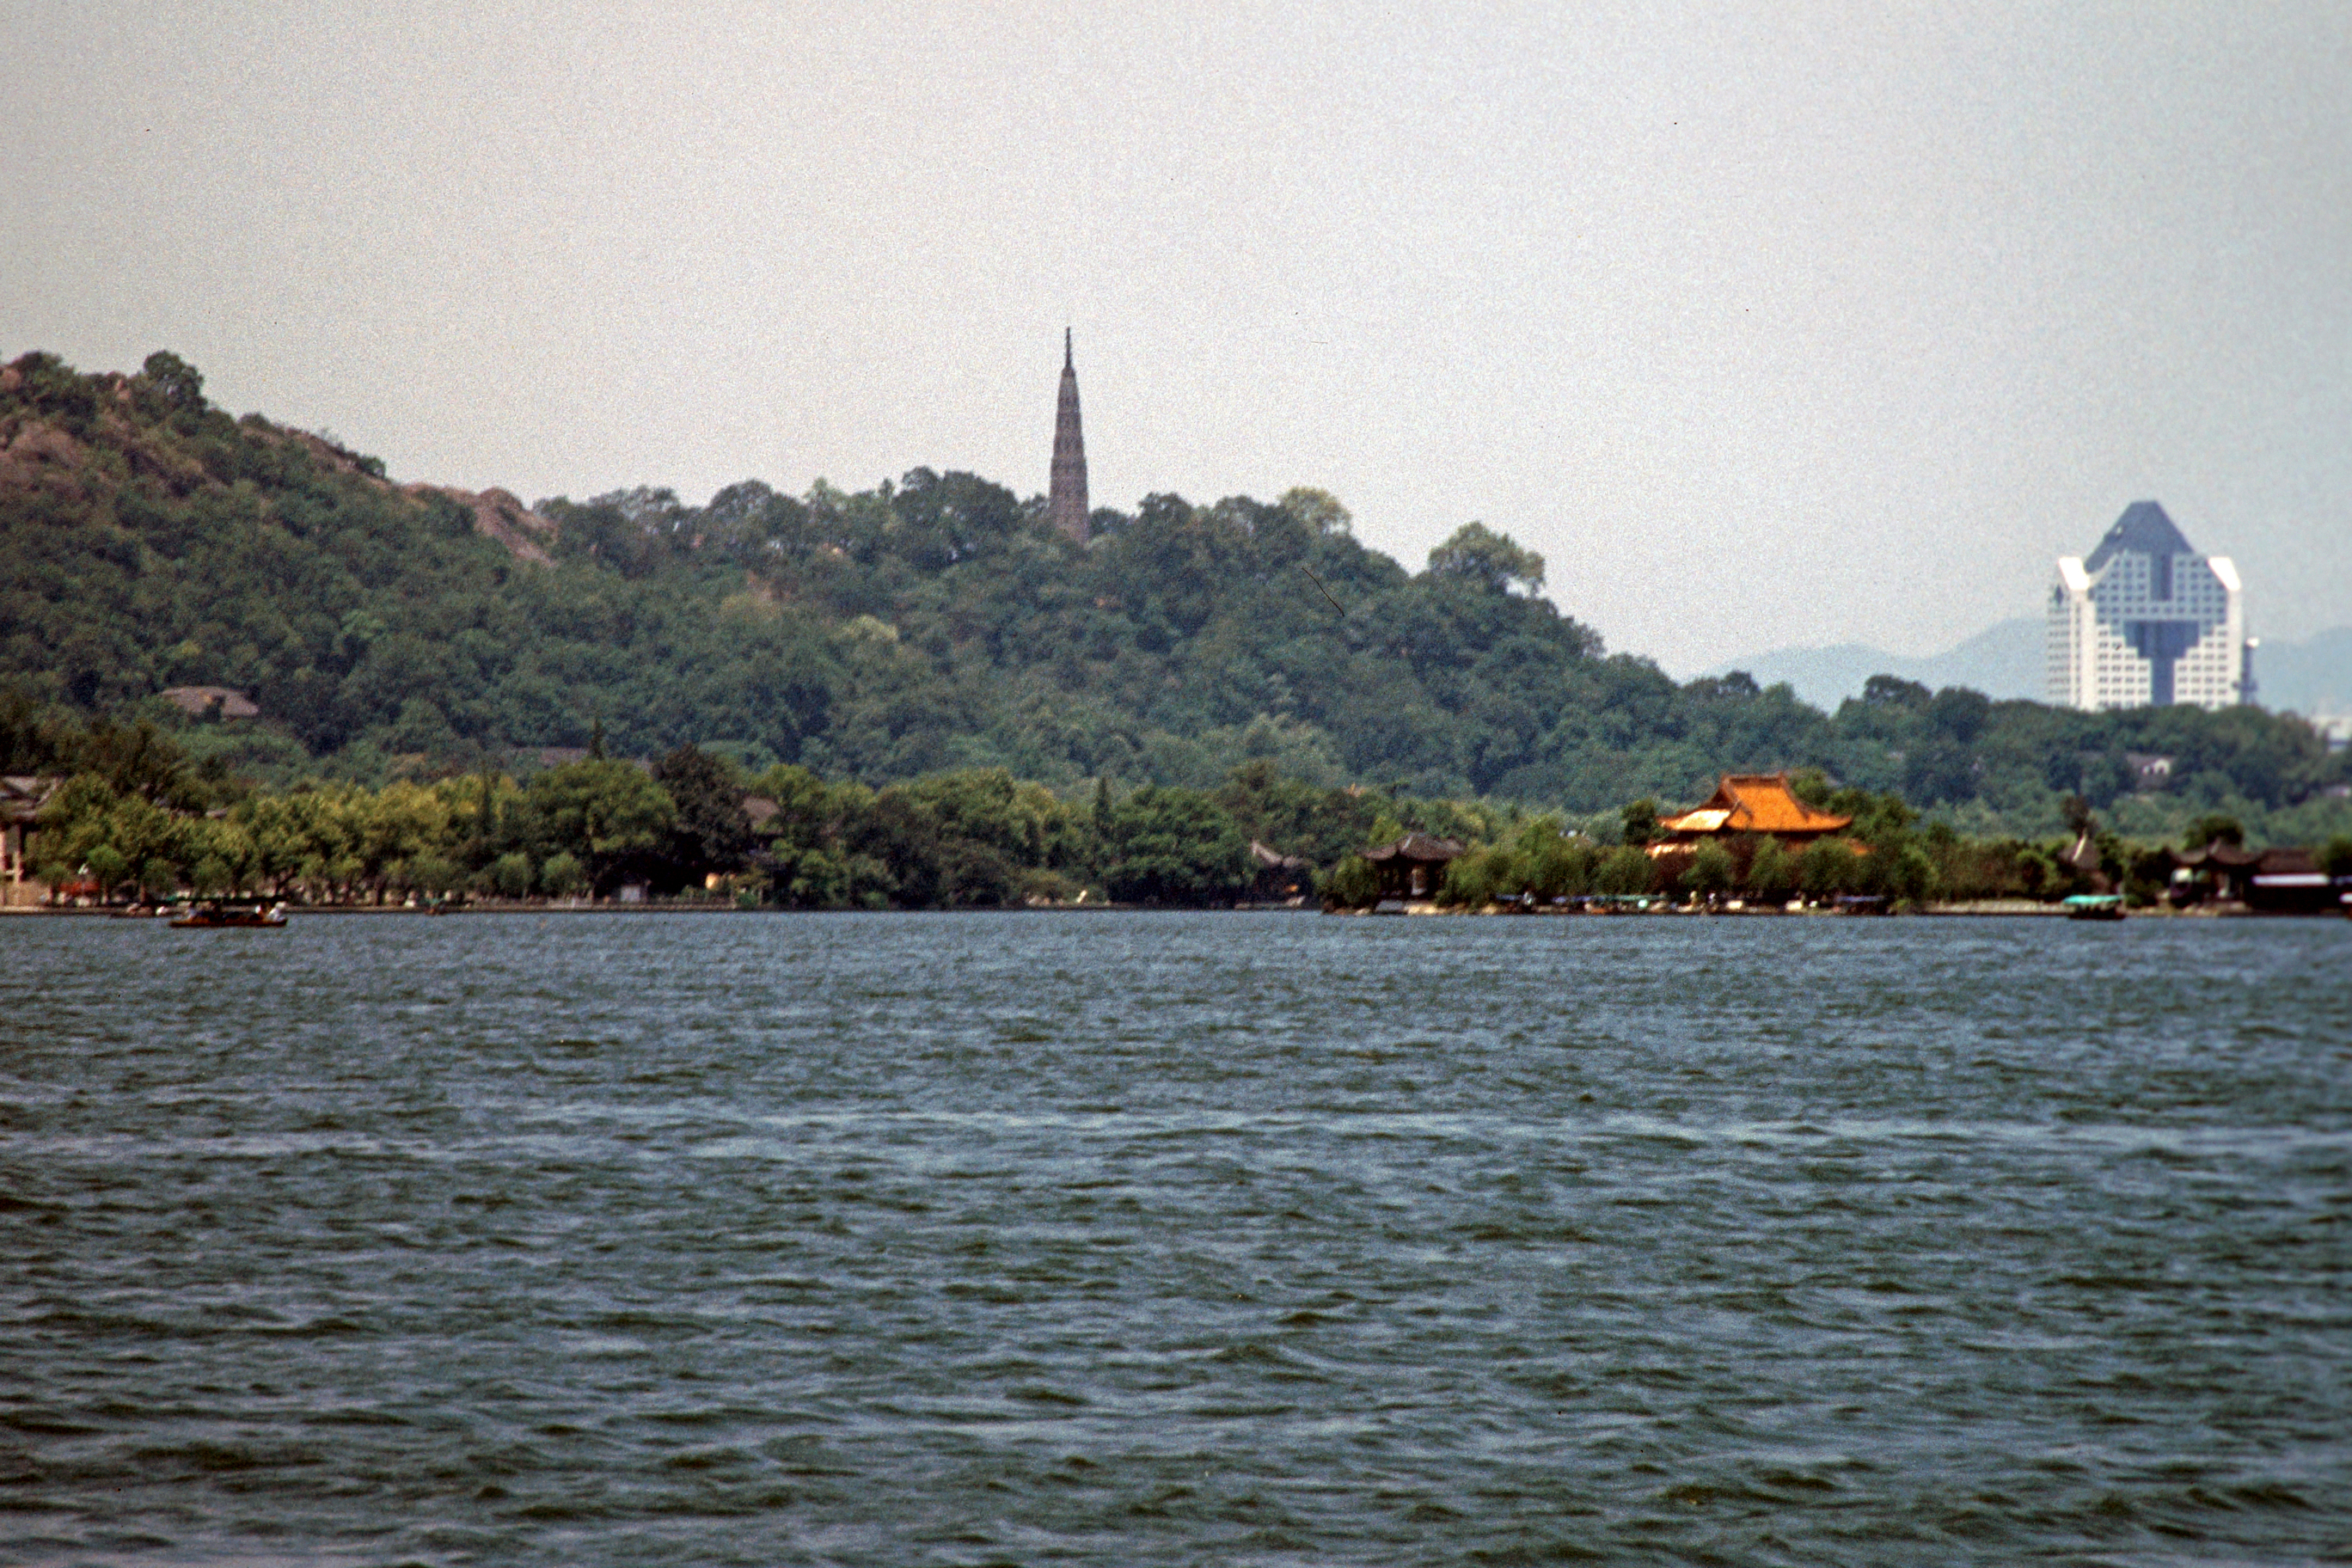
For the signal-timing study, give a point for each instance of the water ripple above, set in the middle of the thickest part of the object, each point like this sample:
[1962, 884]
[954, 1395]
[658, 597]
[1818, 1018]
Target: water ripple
[1205, 1239]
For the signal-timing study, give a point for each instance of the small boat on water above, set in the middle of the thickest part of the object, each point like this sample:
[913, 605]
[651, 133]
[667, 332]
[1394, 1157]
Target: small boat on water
[229, 914]
[2095, 907]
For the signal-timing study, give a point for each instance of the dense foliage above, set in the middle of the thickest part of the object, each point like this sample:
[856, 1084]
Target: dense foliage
[148, 540]
[132, 817]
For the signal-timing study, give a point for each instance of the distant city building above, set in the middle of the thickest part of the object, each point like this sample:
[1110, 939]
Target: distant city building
[1065, 501]
[2147, 622]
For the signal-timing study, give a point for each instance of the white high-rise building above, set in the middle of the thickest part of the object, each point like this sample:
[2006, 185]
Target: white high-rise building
[2146, 621]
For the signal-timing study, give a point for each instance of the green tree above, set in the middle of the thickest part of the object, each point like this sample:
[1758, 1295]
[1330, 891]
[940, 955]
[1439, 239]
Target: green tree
[1352, 884]
[435, 875]
[1626, 870]
[1318, 510]
[509, 874]
[1827, 869]
[610, 816]
[2335, 856]
[1911, 874]
[71, 824]
[812, 857]
[898, 833]
[1811, 785]
[1477, 555]
[225, 854]
[2212, 827]
[1772, 873]
[138, 759]
[1475, 879]
[1711, 871]
[175, 380]
[107, 867]
[1174, 846]
[1561, 867]
[709, 833]
[562, 876]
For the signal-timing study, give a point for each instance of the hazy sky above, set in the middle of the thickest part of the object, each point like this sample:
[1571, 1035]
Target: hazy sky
[1817, 325]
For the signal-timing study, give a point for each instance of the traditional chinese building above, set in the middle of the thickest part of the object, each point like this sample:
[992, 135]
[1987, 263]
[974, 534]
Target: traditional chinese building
[1749, 803]
[2282, 880]
[1066, 501]
[20, 801]
[1276, 877]
[1413, 866]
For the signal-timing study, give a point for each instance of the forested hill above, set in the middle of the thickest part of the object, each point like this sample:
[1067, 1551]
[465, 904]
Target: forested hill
[148, 540]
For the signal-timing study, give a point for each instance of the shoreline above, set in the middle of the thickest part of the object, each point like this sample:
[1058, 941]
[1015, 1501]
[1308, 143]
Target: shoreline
[1984, 909]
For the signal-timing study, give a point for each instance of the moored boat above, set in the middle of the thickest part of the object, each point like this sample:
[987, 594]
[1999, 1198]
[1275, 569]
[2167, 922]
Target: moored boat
[2095, 907]
[232, 914]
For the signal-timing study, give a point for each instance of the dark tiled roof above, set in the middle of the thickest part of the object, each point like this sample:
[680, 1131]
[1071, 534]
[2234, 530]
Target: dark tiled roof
[2286, 860]
[1420, 846]
[23, 794]
[2221, 852]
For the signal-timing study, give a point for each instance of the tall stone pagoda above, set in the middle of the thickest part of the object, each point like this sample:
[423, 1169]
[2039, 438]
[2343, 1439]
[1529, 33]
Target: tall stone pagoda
[1066, 501]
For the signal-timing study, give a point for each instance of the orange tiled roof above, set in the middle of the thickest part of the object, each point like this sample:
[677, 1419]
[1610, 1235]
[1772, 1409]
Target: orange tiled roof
[1755, 803]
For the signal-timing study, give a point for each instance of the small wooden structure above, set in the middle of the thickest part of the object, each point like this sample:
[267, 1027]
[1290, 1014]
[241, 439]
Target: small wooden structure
[1276, 877]
[2278, 881]
[1413, 867]
[21, 799]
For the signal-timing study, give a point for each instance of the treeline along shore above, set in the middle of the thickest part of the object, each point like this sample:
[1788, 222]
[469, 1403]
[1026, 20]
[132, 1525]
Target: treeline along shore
[126, 817]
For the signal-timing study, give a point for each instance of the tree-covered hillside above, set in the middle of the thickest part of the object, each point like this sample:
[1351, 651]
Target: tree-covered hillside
[148, 540]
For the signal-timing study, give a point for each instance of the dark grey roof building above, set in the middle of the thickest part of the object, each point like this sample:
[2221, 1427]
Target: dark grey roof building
[1066, 501]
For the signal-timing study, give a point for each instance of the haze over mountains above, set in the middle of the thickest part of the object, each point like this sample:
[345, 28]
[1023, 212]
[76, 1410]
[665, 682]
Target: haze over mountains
[2004, 661]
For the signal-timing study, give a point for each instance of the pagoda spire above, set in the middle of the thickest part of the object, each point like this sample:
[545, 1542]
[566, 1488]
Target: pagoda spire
[1065, 502]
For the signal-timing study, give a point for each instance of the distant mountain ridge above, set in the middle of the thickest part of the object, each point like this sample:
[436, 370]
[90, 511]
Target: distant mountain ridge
[2004, 661]
[2313, 677]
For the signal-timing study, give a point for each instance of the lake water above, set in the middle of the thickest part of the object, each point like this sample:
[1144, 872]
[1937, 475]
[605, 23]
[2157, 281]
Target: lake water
[1136, 1238]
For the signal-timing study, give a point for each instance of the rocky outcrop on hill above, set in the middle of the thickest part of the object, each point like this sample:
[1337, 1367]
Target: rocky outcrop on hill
[91, 436]
[501, 514]
[35, 456]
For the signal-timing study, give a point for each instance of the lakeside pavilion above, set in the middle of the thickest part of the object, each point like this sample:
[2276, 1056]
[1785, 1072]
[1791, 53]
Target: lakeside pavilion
[1748, 803]
[1413, 866]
